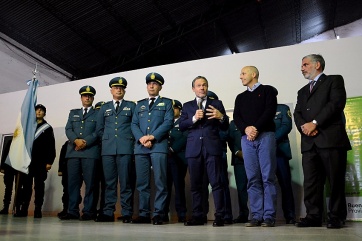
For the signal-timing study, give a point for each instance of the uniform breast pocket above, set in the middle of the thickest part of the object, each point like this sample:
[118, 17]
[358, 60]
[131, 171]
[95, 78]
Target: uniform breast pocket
[91, 123]
[126, 113]
[160, 110]
[76, 121]
[108, 116]
[142, 114]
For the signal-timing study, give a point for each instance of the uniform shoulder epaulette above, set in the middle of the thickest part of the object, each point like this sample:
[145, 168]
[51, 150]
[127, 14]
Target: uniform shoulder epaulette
[142, 100]
[75, 109]
[165, 98]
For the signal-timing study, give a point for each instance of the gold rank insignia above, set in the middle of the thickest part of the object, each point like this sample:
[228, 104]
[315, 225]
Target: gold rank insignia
[153, 76]
[87, 89]
[120, 81]
[289, 114]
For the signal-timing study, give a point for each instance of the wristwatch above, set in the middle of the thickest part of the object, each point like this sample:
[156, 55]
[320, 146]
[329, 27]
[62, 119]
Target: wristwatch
[315, 122]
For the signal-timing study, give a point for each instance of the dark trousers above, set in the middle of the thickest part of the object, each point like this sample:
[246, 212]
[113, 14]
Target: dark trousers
[9, 177]
[225, 182]
[197, 167]
[65, 196]
[80, 169]
[25, 188]
[319, 164]
[99, 187]
[285, 183]
[242, 188]
[176, 172]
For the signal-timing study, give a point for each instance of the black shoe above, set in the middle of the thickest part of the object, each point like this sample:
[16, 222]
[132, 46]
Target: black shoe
[86, 217]
[181, 219]
[69, 216]
[268, 222]
[5, 210]
[104, 218]
[166, 219]
[21, 213]
[126, 219]
[141, 219]
[62, 213]
[334, 223]
[253, 223]
[194, 222]
[308, 222]
[228, 221]
[241, 219]
[37, 214]
[218, 222]
[290, 221]
[157, 220]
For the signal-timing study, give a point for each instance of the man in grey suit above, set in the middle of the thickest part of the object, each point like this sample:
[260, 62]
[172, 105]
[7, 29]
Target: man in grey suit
[318, 117]
[151, 122]
[82, 152]
[114, 129]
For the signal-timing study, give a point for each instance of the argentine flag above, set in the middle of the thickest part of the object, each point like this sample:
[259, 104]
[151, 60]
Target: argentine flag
[20, 150]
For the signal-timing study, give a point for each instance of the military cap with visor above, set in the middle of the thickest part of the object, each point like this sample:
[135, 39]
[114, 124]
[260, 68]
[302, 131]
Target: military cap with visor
[155, 77]
[87, 90]
[118, 81]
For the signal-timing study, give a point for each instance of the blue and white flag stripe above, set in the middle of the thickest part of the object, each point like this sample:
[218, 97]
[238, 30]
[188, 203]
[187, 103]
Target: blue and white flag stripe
[20, 150]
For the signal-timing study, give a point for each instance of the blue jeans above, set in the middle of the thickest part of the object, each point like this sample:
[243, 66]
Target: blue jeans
[260, 166]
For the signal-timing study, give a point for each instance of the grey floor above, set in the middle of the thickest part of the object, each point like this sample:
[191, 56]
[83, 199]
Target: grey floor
[51, 228]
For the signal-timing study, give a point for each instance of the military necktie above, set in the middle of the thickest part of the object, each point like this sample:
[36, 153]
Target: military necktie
[85, 111]
[117, 106]
[152, 102]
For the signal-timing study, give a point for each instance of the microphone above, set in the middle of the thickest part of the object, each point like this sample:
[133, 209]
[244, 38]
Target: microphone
[199, 103]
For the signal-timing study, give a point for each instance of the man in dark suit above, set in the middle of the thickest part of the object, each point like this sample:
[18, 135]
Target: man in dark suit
[82, 153]
[177, 166]
[151, 122]
[324, 144]
[114, 129]
[204, 118]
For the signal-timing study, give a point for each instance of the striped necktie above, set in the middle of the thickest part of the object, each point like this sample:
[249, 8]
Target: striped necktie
[311, 85]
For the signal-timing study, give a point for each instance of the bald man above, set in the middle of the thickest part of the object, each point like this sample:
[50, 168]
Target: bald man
[254, 113]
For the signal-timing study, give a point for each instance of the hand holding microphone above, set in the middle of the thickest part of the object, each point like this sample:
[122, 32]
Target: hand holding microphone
[199, 112]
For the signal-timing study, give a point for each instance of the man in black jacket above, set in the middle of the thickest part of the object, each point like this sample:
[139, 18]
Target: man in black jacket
[42, 158]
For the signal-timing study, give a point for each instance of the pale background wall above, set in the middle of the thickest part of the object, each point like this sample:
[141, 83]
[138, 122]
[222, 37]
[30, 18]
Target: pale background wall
[279, 67]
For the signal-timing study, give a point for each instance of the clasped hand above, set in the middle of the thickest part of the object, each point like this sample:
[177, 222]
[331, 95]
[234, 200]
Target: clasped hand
[251, 133]
[146, 141]
[80, 144]
[309, 129]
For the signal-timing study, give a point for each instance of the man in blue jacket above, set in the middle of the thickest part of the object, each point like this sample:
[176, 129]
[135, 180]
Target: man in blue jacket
[114, 129]
[204, 118]
[82, 153]
[151, 122]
